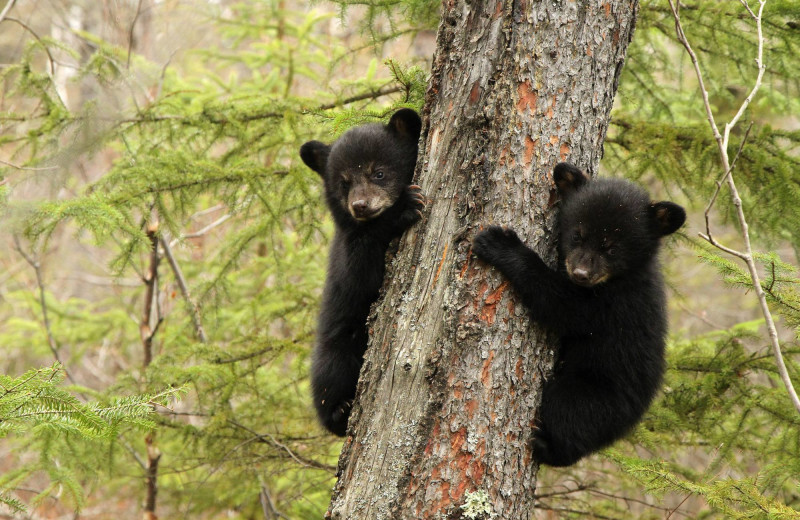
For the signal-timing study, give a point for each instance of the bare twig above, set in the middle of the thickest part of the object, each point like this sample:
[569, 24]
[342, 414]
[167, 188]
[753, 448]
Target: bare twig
[723, 179]
[722, 144]
[193, 310]
[30, 168]
[33, 261]
[130, 33]
[203, 231]
[272, 441]
[44, 46]
[6, 9]
[267, 504]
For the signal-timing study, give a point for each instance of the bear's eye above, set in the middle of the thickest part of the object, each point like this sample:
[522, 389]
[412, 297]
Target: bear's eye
[576, 237]
[345, 185]
[611, 251]
[378, 174]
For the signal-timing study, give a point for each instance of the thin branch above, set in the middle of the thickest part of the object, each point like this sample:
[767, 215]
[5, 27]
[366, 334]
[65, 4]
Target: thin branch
[723, 179]
[193, 310]
[203, 231]
[6, 9]
[11, 165]
[130, 34]
[722, 144]
[269, 439]
[267, 504]
[37, 268]
[44, 46]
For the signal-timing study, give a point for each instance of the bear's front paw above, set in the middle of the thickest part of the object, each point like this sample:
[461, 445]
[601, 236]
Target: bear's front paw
[491, 244]
[415, 203]
[335, 418]
[342, 412]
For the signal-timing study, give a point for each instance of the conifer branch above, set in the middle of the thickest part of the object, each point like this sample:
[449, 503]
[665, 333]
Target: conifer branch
[193, 310]
[722, 144]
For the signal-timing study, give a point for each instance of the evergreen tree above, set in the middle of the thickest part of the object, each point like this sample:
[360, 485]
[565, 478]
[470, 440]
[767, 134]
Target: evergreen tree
[115, 151]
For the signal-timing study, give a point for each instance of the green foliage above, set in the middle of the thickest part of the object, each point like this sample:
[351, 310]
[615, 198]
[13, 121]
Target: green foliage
[53, 422]
[202, 150]
[659, 127]
[203, 153]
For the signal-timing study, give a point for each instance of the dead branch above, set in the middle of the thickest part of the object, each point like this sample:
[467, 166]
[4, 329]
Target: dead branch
[33, 261]
[193, 310]
[6, 9]
[722, 144]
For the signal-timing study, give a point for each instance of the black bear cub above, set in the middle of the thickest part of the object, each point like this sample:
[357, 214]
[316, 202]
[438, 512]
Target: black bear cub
[606, 302]
[367, 174]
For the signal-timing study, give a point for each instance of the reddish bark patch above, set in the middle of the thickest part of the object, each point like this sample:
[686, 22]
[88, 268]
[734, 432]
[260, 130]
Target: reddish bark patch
[490, 304]
[485, 372]
[589, 50]
[466, 264]
[518, 369]
[444, 489]
[460, 490]
[433, 436]
[607, 8]
[441, 263]
[530, 146]
[471, 407]
[527, 97]
[565, 149]
[503, 154]
[498, 10]
[456, 441]
[475, 93]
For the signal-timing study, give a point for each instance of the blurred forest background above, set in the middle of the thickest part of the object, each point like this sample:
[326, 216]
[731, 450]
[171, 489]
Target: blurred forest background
[162, 253]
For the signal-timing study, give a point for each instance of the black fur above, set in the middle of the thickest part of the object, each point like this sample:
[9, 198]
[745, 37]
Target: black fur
[367, 174]
[607, 304]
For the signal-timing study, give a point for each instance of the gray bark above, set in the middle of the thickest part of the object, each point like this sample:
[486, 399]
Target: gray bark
[451, 381]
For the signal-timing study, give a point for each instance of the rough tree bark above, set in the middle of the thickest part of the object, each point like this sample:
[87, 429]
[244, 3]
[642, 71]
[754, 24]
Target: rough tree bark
[451, 381]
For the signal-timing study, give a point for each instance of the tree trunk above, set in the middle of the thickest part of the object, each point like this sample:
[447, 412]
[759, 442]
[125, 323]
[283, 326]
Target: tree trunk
[451, 381]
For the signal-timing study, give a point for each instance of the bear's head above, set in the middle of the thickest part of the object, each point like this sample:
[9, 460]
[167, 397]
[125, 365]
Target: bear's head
[608, 227]
[366, 170]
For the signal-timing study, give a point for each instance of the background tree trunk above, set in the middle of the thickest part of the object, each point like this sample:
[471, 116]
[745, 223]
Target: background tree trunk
[451, 382]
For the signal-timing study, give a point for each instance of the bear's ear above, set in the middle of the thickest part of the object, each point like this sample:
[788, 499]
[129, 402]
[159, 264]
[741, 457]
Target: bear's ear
[568, 178]
[666, 216]
[406, 123]
[315, 155]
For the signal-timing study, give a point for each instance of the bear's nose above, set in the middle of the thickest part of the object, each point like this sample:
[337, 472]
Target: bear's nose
[359, 207]
[580, 274]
